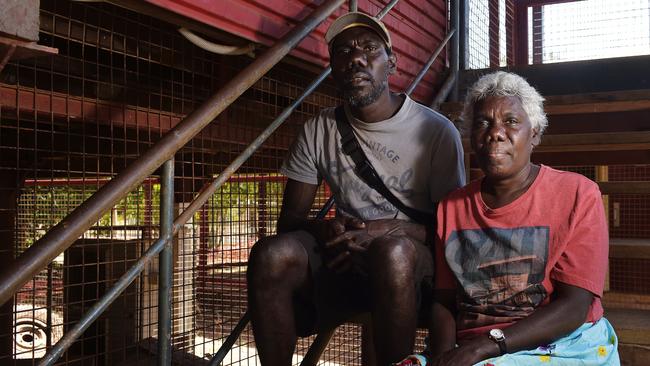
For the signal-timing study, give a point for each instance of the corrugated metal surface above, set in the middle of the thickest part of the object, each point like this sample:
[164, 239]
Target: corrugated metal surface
[417, 27]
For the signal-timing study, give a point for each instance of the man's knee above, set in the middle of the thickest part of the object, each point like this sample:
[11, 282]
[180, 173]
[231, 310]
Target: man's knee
[396, 255]
[275, 257]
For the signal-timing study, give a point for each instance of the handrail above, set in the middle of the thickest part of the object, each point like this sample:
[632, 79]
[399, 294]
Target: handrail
[219, 356]
[61, 236]
[430, 62]
[169, 229]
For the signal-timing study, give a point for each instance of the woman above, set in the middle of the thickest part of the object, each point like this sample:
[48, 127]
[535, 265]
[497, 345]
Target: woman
[521, 254]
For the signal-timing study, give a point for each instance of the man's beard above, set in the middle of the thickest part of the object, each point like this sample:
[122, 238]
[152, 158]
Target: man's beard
[356, 98]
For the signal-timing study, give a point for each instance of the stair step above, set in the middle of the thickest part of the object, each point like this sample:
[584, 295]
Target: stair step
[631, 325]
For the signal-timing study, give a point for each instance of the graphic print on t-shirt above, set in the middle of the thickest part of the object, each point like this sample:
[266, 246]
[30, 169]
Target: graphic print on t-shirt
[377, 206]
[501, 272]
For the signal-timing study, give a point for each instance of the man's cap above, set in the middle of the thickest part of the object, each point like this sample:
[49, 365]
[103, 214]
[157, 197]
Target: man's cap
[357, 19]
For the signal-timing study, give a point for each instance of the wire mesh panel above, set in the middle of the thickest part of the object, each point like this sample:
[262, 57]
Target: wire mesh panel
[594, 29]
[478, 45]
[555, 32]
[70, 122]
[54, 299]
[629, 226]
[490, 26]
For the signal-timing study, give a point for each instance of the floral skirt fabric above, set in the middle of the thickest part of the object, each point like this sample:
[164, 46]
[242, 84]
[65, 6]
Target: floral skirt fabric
[591, 344]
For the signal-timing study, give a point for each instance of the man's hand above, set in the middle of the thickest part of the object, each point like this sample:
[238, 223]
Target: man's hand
[330, 230]
[352, 238]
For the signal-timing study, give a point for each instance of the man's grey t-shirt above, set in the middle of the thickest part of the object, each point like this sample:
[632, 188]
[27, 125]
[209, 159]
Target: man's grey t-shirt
[417, 153]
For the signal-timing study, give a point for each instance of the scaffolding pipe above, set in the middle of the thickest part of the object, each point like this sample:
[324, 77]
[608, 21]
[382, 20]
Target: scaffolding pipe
[430, 62]
[454, 52]
[102, 304]
[61, 236]
[444, 91]
[230, 341]
[209, 189]
[166, 267]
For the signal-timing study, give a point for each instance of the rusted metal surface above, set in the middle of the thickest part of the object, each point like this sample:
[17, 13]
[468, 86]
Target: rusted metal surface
[416, 26]
[62, 235]
[166, 265]
[211, 187]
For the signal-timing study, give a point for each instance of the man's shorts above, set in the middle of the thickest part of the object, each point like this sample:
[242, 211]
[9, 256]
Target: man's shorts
[337, 298]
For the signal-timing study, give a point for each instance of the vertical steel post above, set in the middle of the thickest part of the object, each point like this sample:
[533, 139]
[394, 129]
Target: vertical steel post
[165, 267]
[463, 36]
[14, 275]
[354, 6]
[454, 54]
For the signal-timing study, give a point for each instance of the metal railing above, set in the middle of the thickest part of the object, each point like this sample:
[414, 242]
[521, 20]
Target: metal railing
[60, 237]
[323, 338]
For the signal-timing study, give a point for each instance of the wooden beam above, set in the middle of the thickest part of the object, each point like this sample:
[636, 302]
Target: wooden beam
[591, 158]
[626, 300]
[632, 325]
[625, 188]
[24, 49]
[606, 141]
[598, 107]
[615, 101]
[629, 248]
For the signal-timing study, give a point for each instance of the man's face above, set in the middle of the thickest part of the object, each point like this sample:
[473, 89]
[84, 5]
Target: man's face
[361, 65]
[502, 136]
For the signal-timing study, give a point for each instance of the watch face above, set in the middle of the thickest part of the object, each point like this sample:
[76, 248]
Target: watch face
[497, 334]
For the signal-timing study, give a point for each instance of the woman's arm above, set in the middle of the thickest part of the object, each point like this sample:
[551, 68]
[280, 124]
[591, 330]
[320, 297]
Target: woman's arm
[565, 313]
[442, 328]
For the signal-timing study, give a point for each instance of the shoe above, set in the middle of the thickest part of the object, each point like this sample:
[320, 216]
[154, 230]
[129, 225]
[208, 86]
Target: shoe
[412, 360]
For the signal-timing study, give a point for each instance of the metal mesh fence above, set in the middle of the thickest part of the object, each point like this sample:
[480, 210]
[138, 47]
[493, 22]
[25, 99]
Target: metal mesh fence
[629, 227]
[566, 31]
[489, 33]
[478, 44]
[70, 122]
[594, 29]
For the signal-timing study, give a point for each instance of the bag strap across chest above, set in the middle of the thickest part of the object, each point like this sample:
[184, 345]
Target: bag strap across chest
[367, 172]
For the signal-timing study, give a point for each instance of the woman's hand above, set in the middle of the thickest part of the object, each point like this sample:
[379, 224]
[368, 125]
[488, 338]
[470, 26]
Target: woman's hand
[469, 353]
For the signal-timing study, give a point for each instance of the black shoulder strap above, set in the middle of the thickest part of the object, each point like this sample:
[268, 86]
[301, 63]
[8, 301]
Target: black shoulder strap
[367, 172]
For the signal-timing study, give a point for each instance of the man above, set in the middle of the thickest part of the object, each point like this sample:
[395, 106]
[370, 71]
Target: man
[317, 273]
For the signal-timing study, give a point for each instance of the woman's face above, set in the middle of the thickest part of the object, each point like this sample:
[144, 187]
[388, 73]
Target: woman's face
[502, 136]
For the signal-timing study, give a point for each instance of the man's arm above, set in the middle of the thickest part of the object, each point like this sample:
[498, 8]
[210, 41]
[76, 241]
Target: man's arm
[296, 203]
[294, 215]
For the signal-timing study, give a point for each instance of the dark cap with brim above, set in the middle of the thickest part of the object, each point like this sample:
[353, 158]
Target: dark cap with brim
[357, 19]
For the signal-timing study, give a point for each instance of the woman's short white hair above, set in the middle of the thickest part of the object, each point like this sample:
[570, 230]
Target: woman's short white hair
[505, 84]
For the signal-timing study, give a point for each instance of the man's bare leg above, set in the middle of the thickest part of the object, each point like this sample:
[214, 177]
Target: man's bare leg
[394, 316]
[278, 269]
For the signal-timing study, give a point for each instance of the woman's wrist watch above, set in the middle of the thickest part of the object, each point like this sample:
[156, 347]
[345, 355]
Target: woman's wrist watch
[499, 338]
